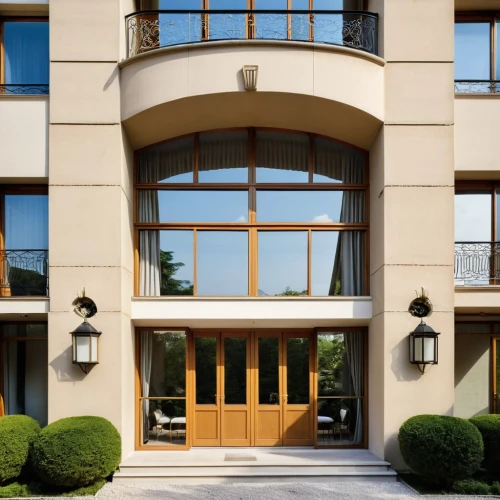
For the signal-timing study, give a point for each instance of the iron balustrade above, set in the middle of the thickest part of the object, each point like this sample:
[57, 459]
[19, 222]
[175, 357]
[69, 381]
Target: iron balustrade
[477, 86]
[477, 263]
[148, 30]
[24, 89]
[24, 273]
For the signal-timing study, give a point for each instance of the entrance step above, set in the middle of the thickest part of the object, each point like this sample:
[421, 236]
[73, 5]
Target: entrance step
[246, 465]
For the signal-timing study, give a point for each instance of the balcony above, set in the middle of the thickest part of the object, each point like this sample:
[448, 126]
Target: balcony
[24, 89]
[24, 273]
[477, 263]
[149, 30]
[477, 87]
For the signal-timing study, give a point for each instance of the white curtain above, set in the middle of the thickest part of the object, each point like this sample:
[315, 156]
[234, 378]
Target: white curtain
[146, 358]
[354, 351]
[26, 52]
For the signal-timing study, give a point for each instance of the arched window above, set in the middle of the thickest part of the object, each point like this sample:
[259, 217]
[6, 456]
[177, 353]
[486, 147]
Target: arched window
[256, 212]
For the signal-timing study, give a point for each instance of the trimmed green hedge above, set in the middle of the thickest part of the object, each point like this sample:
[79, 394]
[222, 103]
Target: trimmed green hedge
[489, 427]
[77, 451]
[470, 487]
[17, 434]
[441, 449]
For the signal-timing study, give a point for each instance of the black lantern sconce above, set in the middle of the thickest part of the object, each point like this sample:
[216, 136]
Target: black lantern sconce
[85, 338]
[423, 340]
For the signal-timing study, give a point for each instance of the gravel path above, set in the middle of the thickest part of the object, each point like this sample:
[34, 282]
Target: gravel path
[365, 490]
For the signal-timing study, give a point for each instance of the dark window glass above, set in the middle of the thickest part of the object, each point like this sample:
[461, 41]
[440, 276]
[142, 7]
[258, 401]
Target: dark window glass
[205, 349]
[297, 360]
[269, 381]
[26, 46]
[282, 263]
[497, 76]
[168, 364]
[235, 371]
[222, 263]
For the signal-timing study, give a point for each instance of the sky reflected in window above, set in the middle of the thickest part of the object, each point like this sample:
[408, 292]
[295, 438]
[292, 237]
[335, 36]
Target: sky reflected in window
[473, 216]
[324, 247]
[472, 51]
[177, 262]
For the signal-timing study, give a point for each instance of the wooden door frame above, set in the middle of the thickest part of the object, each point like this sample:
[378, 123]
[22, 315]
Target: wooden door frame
[493, 374]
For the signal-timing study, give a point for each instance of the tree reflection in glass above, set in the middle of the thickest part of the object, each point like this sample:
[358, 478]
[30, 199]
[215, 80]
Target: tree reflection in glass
[205, 349]
[297, 360]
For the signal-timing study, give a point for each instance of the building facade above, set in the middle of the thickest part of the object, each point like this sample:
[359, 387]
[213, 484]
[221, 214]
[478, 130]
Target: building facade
[251, 192]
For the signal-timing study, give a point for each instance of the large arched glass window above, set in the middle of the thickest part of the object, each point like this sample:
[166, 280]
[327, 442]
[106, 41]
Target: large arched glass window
[256, 212]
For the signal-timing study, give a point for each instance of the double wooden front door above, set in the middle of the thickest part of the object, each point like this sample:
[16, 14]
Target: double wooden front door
[253, 389]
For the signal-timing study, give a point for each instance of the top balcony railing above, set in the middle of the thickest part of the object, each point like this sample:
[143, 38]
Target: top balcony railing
[24, 273]
[148, 30]
[477, 86]
[477, 263]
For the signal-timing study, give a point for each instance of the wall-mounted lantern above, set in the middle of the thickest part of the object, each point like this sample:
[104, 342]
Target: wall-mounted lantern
[250, 74]
[85, 337]
[423, 340]
[423, 346]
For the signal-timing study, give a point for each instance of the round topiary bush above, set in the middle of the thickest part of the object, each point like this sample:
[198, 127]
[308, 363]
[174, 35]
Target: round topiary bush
[76, 451]
[17, 434]
[489, 427]
[441, 449]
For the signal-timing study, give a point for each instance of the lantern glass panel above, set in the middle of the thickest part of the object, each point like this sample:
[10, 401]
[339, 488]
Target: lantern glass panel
[83, 349]
[429, 349]
[93, 350]
[417, 346]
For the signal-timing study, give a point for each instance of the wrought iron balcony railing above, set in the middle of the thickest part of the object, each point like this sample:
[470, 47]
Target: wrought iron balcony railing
[477, 86]
[24, 89]
[149, 30]
[477, 263]
[24, 273]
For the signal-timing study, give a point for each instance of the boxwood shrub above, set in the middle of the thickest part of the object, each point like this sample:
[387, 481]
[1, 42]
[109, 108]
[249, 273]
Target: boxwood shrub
[470, 487]
[17, 434]
[442, 449]
[76, 451]
[489, 427]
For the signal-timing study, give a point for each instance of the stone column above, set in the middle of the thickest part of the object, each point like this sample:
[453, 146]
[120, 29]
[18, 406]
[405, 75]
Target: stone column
[90, 212]
[412, 216]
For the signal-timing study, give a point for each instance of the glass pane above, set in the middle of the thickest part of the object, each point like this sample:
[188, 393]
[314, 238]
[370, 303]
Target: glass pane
[180, 28]
[297, 362]
[497, 374]
[227, 26]
[193, 206]
[172, 161]
[473, 214]
[205, 351]
[324, 247]
[472, 51]
[176, 260]
[24, 330]
[222, 263]
[25, 379]
[337, 163]
[497, 76]
[268, 370]
[300, 22]
[26, 222]
[164, 355]
[282, 263]
[282, 157]
[473, 328]
[163, 422]
[235, 371]
[340, 422]
[26, 52]
[271, 26]
[223, 157]
[310, 206]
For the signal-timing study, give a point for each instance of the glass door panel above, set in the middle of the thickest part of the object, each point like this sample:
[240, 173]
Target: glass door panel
[207, 391]
[269, 400]
[298, 429]
[235, 397]
[496, 375]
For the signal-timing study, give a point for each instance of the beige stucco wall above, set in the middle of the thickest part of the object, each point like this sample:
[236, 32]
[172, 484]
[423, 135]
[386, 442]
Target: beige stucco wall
[24, 121]
[477, 148]
[472, 375]
[412, 178]
[90, 213]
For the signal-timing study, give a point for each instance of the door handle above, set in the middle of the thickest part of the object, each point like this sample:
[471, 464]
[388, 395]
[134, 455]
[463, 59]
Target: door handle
[285, 398]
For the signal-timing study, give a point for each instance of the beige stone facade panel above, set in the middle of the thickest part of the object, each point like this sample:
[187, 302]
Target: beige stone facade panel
[102, 284]
[420, 94]
[24, 126]
[418, 225]
[419, 156]
[477, 299]
[85, 155]
[84, 30]
[84, 93]
[418, 30]
[477, 144]
[84, 226]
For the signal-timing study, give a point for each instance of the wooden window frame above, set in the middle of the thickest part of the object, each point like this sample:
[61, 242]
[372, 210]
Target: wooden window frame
[190, 379]
[486, 17]
[252, 227]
